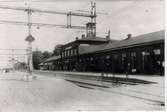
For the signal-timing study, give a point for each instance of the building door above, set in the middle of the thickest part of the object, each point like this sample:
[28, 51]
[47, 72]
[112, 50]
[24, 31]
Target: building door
[115, 64]
[157, 62]
[124, 63]
[133, 61]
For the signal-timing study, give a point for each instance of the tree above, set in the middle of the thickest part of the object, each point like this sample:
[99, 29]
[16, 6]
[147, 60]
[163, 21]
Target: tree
[57, 50]
[46, 55]
[20, 66]
[37, 59]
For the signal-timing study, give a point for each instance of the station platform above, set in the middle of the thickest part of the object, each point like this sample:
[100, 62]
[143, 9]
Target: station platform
[49, 94]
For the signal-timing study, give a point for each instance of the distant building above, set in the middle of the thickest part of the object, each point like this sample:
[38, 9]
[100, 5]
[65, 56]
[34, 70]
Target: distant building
[141, 54]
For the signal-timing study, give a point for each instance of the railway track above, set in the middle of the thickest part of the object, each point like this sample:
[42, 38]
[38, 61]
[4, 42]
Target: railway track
[126, 92]
[108, 85]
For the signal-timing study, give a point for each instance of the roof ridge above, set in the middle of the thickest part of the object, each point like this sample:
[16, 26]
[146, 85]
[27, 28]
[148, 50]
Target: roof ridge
[155, 32]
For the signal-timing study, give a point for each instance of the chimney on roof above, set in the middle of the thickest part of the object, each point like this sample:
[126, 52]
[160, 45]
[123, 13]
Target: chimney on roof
[83, 36]
[129, 36]
[108, 36]
[76, 38]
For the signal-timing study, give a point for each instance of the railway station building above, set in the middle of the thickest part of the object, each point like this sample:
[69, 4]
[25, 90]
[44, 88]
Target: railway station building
[143, 54]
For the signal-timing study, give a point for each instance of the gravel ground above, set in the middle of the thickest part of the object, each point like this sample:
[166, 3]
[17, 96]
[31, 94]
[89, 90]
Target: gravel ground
[48, 94]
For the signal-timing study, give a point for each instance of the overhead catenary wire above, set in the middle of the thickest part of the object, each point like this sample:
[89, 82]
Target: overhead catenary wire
[96, 32]
[12, 54]
[69, 14]
[103, 13]
[13, 49]
[47, 11]
[40, 24]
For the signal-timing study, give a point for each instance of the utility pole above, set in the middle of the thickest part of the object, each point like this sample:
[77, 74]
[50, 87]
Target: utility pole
[91, 26]
[13, 59]
[93, 18]
[29, 39]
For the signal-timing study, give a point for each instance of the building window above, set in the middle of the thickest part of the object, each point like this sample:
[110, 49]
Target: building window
[124, 62]
[68, 53]
[123, 56]
[157, 51]
[75, 51]
[65, 53]
[133, 54]
[133, 61]
[108, 57]
[144, 53]
[91, 59]
[71, 52]
[115, 56]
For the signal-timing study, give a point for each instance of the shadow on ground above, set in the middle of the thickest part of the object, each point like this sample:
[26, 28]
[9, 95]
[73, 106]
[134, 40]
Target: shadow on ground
[127, 80]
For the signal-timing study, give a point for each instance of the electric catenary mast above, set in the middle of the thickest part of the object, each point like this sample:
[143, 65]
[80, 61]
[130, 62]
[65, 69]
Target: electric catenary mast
[90, 27]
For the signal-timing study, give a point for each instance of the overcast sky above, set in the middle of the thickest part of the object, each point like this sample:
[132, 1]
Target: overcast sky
[124, 16]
